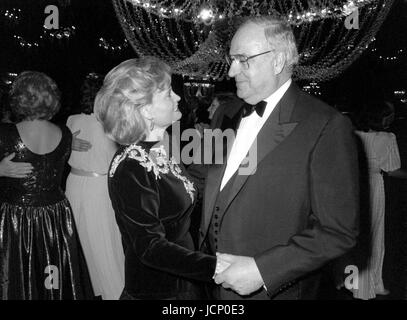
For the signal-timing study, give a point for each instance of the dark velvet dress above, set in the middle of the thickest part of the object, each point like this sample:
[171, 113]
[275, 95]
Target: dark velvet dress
[153, 198]
[40, 254]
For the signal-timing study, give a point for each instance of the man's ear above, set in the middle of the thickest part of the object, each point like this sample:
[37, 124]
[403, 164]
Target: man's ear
[279, 62]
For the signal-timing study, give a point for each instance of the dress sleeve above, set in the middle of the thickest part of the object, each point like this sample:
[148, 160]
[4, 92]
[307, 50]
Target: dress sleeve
[135, 197]
[388, 152]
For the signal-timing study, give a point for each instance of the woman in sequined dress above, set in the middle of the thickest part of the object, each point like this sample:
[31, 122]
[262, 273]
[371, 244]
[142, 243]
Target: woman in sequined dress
[151, 194]
[40, 254]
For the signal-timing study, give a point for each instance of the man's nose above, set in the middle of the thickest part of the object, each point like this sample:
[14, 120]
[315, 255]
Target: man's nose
[234, 69]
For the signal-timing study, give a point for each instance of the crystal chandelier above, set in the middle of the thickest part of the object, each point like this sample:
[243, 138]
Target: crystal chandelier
[193, 35]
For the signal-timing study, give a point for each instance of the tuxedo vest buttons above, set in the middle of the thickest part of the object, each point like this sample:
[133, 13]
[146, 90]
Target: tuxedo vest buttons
[214, 234]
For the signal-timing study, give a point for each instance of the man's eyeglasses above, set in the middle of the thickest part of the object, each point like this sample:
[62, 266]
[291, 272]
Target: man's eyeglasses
[242, 59]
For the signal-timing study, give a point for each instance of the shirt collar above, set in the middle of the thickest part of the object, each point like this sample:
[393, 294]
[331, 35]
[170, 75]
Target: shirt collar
[278, 94]
[275, 97]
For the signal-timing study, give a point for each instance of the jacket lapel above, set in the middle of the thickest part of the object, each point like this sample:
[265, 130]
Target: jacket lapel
[216, 171]
[277, 127]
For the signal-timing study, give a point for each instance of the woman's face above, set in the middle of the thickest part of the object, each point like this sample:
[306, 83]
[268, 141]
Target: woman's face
[164, 108]
[212, 108]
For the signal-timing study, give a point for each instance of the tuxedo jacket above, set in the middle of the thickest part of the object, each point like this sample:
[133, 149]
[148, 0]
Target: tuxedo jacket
[298, 209]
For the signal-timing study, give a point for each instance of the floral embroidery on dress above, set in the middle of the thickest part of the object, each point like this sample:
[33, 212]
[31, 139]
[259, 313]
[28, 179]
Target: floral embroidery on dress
[157, 161]
[115, 163]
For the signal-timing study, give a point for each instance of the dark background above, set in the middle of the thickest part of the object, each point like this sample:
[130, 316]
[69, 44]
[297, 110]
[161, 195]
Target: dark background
[68, 61]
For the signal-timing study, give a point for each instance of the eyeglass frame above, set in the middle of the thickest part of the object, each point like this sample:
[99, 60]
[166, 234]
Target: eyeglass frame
[230, 60]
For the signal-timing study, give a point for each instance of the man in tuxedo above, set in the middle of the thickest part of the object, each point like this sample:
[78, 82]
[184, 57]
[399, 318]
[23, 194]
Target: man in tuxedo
[297, 208]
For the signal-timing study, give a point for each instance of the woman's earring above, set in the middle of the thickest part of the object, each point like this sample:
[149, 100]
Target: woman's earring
[151, 125]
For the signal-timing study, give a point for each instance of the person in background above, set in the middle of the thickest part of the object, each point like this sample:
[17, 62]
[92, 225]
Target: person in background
[11, 169]
[221, 112]
[38, 236]
[86, 190]
[5, 113]
[382, 155]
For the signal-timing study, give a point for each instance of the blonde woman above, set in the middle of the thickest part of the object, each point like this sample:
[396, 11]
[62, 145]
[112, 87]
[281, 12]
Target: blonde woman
[152, 195]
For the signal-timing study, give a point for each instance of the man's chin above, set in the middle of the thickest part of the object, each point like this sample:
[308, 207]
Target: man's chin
[240, 93]
[178, 118]
[244, 96]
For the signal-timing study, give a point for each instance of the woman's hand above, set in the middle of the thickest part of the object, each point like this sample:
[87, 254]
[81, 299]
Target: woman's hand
[12, 169]
[80, 144]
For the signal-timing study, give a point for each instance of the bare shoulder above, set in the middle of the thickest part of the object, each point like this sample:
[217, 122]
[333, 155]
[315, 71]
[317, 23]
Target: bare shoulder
[54, 134]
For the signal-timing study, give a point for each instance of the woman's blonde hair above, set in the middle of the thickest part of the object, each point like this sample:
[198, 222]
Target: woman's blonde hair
[126, 89]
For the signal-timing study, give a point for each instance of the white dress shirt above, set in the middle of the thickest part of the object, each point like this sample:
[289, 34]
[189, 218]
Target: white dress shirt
[247, 132]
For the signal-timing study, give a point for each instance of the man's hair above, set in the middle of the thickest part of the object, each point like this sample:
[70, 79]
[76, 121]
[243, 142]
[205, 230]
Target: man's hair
[279, 35]
[126, 89]
[34, 95]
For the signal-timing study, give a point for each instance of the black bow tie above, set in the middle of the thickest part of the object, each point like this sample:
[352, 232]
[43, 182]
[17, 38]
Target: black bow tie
[259, 107]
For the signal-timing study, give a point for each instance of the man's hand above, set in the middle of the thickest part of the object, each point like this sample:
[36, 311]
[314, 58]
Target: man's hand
[80, 144]
[12, 169]
[242, 276]
[221, 265]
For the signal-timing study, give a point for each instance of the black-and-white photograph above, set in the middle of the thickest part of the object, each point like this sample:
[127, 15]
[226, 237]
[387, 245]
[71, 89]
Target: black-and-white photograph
[216, 151]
